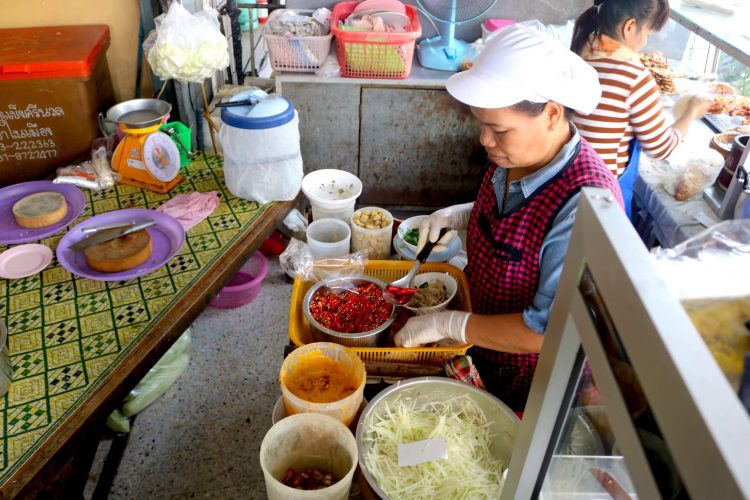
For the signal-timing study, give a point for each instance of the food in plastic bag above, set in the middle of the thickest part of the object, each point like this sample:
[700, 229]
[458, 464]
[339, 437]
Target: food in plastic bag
[472, 51]
[297, 261]
[187, 47]
[689, 173]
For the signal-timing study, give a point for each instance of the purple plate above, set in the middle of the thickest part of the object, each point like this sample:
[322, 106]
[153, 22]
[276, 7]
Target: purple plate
[12, 233]
[167, 237]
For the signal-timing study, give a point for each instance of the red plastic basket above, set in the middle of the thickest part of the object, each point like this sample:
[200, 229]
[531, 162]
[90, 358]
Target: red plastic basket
[374, 55]
[244, 286]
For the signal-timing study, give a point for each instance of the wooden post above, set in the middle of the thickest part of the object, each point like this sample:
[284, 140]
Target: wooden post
[212, 128]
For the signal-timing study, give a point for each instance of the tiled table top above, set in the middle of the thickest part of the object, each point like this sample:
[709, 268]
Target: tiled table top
[67, 333]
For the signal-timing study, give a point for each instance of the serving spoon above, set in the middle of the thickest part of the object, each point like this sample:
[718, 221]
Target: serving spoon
[400, 291]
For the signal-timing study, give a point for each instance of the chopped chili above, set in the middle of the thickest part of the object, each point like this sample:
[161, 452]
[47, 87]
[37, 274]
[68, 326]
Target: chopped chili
[361, 309]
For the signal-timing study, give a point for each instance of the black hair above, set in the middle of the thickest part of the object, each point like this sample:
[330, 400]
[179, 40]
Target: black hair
[605, 17]
[533, 109]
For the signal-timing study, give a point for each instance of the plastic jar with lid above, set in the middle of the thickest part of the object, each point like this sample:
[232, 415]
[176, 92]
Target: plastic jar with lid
[261, 145]
[372, 229]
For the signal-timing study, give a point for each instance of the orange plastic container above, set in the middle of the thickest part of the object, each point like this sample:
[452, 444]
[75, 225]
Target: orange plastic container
[53, 83]
[374, 55]
[388, 361]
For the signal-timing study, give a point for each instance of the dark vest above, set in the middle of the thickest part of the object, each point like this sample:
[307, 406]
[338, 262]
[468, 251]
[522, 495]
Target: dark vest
[503, 268]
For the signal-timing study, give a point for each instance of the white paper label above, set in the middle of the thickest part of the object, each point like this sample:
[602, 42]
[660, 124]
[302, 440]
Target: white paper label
[136, 164]
[420, 452]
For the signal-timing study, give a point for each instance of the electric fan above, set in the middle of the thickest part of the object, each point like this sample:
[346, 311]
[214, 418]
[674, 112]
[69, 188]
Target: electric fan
[445, 51]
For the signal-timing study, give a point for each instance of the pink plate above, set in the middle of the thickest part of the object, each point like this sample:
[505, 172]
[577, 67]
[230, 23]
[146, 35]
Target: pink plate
[382, 5]
[24, 260]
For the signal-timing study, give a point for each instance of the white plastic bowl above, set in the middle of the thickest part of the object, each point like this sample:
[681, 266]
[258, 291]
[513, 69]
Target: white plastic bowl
[451, 286]
[331, 189]
[406, 225]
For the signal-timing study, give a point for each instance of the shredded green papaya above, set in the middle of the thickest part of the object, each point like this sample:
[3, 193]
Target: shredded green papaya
[471, 470]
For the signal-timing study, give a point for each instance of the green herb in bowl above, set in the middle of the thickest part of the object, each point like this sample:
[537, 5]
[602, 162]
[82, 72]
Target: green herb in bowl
[412, 236]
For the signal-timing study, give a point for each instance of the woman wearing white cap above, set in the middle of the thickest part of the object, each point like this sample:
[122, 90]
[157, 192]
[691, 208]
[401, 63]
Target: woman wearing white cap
[522, 89]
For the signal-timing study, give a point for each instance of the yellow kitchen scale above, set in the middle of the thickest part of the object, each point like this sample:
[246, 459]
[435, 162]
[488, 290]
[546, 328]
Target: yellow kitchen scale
[145, 158]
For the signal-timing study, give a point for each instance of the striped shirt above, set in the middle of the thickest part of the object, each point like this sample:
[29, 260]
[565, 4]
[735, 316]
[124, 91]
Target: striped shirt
[629, 108]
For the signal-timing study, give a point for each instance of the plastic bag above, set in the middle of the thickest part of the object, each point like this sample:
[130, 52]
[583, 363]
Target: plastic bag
[713, 264]
[690, 172]
[295, 221]
[156, 382]
[562, 33]
[187, 47]
[297, 261]
[472, 51]
[710, 275]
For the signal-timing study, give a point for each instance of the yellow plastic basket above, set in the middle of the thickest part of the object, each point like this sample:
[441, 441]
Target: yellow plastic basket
[388, 361]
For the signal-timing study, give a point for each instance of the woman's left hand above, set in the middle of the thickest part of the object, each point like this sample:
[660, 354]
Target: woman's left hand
[433, 327]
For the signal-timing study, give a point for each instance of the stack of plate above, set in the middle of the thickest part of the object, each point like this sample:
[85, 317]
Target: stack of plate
[392, 12]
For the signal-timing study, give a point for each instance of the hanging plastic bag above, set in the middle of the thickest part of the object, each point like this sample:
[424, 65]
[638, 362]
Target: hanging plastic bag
[187, 47]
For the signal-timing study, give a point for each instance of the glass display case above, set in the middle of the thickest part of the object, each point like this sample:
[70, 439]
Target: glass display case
[627, 401]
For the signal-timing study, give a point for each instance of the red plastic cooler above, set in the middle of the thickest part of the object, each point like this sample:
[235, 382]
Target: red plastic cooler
[54, 81]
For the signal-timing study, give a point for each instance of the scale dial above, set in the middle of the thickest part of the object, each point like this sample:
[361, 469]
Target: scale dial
[161, 157]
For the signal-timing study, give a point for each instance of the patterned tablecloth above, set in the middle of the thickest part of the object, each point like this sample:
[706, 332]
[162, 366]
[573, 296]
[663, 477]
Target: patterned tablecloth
[66, 333]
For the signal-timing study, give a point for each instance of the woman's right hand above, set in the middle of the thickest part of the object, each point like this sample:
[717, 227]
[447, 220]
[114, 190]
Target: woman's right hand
[454, 217]
[698, 105]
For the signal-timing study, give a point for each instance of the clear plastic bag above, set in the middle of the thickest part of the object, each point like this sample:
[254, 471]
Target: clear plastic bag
[187, 47]
[690, 172]
[562, 33]
[713, 264]
[297, 261]
[710, 275]
[472, 51]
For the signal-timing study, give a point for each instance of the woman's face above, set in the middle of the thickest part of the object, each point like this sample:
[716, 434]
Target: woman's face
[514, 139]
[635, 35]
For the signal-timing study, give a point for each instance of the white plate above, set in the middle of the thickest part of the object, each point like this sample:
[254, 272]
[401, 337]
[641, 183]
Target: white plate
[24, 260]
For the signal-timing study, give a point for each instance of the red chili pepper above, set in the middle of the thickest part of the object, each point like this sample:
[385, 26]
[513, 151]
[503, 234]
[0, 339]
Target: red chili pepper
[360, 310]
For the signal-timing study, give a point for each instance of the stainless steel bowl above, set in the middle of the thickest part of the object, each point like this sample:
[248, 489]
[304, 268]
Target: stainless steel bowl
[504, 422]
[320, 333]
[139, 113]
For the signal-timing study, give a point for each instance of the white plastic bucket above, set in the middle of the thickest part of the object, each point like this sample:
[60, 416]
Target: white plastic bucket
[328, 238]
[308, 441]
[261, 145]
[332, 193]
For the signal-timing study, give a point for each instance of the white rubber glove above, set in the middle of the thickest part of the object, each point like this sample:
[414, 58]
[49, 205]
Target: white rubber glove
[433, 327]
[454, 217]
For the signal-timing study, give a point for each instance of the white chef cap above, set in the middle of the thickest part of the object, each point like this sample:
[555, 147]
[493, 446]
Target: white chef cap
[522, 64]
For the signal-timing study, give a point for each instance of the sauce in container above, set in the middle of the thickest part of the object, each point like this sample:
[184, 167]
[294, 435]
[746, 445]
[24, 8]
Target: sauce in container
[320, 379]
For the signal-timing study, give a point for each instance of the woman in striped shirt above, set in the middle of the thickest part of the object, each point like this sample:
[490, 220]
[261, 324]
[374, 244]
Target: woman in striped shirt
[609, 37]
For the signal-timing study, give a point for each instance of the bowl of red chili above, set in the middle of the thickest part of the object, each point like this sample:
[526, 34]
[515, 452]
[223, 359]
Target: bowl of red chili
[349, 311]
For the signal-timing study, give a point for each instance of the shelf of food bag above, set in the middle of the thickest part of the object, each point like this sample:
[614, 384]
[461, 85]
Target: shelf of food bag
[729, 33]
[388, 360]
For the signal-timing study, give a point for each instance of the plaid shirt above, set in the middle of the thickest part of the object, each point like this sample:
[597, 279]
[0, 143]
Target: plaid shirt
[503, 269]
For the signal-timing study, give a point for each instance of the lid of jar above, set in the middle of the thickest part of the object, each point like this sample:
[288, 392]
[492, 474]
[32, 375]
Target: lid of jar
[264, 112]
